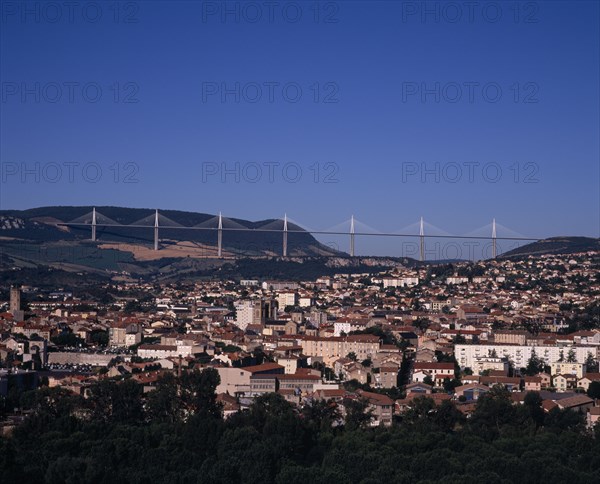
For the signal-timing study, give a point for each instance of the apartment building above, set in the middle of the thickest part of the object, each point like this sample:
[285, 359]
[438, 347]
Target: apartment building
[330, 349]
[510, 337]
[254, 312]
[519, 355]
[566, 368]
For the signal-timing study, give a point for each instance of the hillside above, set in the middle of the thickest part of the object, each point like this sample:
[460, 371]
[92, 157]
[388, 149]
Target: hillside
[33, 239]
[555, 245]
[40, 224]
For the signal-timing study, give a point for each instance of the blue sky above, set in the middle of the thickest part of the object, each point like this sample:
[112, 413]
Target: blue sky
[373, 109]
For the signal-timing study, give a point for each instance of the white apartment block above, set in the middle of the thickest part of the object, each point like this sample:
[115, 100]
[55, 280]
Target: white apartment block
[467, 355]
[244, 311]
[133, 339]
[279, 285]
[249, 282]
[489, 363]
[163, 351]
[400, 281]
[305, 302]
[457, 280]
[287, 299]
[341, 327]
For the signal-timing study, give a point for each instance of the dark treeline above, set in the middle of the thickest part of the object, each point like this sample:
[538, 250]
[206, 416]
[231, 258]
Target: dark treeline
[176, 434]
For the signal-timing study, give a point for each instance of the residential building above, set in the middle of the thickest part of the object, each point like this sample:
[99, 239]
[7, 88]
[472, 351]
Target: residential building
[519, 355]
[566, 368]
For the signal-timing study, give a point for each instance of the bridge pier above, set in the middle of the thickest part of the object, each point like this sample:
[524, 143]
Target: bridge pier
[94, 225]
[156, 230]
[493, 238]
[422, 241]
[285, 235]
[352, 236]
[220, 237]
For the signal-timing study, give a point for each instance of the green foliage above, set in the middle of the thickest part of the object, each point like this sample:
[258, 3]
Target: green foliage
[594, 390]
[451, 384]
[175, 433]
[535, 365]
[99, 337]
[231, 349]
[357, 413]
[422, 323]
[591, 364]
[67, 338]
[533, 403]
[112, 401]
[197, 392]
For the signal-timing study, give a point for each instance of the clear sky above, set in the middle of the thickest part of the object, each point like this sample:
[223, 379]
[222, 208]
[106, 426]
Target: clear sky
[385, 110]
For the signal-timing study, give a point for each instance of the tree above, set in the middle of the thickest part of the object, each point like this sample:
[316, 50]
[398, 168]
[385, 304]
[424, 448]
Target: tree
[357, 413]
[321, 414]
[494, 409]
[163, 403]
[447, 416]
[99, 337]
[428, 380]
[420, 407]
[535, 365]
[561, 356]
[591, 365]
[352, 356]
[451, 384]
[565, 419]
[113, 401]
[594, 390]
[533, 403]
[197, 392]
[268, 407]
[571, 357]
[133, 306]
[422, 324]
[67, 338]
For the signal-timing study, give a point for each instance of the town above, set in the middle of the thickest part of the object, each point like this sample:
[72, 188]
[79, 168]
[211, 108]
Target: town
[445, 334]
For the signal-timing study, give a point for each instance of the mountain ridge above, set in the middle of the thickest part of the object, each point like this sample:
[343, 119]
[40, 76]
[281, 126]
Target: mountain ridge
[560, 245]
[41, 223]
[32, 238]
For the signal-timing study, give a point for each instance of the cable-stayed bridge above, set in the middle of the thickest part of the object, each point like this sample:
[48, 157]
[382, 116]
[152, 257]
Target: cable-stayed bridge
[351, 228]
